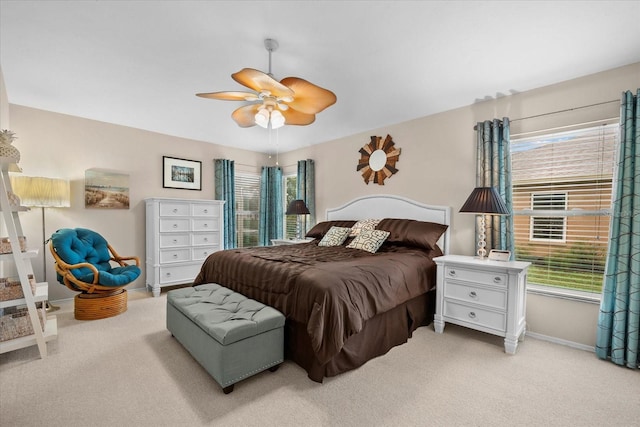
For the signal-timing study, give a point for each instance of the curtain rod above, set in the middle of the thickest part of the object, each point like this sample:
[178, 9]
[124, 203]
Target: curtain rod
[559, 111]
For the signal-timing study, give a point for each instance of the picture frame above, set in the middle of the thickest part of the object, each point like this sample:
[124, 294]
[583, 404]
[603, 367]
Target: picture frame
[181, 173]
[105, 189]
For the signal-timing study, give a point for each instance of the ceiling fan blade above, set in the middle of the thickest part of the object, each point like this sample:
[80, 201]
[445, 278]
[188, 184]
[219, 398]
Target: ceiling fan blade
[308, 98]
[230, 96]
[245, 116]
[260, 82]
[294, 117]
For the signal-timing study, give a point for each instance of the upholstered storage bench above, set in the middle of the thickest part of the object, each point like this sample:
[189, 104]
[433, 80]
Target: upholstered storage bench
[230, 335]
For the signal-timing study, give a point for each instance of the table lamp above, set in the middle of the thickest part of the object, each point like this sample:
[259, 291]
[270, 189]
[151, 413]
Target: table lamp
[484, 201]
[297, 207]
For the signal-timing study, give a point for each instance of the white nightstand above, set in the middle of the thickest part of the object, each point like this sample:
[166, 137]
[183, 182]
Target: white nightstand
[278, 242]
[489, 296]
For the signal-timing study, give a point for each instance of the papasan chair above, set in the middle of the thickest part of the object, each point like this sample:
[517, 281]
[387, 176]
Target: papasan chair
[83, 263]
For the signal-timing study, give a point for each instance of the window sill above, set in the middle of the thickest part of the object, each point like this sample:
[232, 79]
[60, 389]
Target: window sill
[569, 294]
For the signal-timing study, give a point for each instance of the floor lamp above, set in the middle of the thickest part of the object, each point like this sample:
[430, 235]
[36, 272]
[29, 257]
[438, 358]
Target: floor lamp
[39, 192]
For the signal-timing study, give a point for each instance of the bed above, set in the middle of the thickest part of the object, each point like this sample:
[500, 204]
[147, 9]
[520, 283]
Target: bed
[345, 306]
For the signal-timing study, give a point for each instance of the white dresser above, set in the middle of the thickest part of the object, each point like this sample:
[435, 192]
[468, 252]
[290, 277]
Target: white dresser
[489, 296]
[181, 233]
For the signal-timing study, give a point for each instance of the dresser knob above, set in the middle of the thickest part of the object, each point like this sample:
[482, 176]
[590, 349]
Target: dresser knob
[206, 225]
[472, 315]
[205, 253]
[175, 210]
[206, 239]
[175, 240]
[206, 211]
[452, 272]
[473, 294]
[497, 279]
[175, 255]
[168, 274]
[175, 225]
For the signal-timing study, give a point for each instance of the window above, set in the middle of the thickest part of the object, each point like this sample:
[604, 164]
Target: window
[562, 185]
[548, 227]
[291, 193]
[247, 208]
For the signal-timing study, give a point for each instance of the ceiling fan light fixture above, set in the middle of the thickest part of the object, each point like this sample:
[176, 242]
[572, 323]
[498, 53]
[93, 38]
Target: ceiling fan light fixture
[277, 119]
[262, 118]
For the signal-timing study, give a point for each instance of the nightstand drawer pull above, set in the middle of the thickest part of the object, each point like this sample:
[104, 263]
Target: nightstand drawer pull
[473, 294]
[497, 279]
[472, 315]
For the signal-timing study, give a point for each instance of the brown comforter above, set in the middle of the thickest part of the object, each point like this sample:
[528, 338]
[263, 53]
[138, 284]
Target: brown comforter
[333, 290]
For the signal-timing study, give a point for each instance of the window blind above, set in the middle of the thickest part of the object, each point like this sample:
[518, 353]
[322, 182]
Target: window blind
[247, 188]
[562, 185]
[291, 193]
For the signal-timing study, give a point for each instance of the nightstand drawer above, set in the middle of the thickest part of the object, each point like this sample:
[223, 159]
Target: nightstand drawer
[475, 315]
[490, 297]
[476, 276]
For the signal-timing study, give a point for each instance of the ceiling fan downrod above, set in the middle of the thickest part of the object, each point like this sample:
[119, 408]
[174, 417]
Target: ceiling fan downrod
[270, 45]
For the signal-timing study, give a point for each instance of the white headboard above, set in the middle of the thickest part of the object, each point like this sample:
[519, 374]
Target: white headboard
[389, 206]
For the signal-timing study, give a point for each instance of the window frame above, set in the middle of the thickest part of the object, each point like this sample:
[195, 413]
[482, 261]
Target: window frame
[543, 214]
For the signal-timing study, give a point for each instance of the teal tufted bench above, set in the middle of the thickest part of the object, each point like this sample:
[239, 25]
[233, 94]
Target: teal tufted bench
[230, 335]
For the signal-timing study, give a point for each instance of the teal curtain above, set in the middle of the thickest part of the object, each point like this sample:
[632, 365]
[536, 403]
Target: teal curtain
[306, 180]
[225, 189]
[271, 201]
[619, 320]
[493, 169]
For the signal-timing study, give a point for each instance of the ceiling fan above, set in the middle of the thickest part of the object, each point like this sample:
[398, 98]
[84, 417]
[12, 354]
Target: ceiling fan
[291, 101]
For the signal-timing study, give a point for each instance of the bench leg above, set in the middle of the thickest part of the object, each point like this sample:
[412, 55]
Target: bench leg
[228, 389]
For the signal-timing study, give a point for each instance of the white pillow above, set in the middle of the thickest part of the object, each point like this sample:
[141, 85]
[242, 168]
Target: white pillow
[335, 236]
[363, 224]
[369, 240]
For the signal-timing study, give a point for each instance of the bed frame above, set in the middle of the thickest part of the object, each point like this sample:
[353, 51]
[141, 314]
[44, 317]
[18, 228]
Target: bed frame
[389, 206]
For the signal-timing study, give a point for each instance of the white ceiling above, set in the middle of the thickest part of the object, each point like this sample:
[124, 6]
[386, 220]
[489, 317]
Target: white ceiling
[140, 63]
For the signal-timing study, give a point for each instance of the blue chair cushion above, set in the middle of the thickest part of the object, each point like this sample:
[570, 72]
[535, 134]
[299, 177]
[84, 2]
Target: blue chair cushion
[75, 246]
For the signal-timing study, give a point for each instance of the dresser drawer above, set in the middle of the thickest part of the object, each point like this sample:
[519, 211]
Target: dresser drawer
[490, 297]
[203, 252]
[200, 209]
[172, 240]
[174, 255]
[174, 224]
[208, 224]
[179, 273]
[475, 315]
[206, 239]
[475, 276]
[174, 209]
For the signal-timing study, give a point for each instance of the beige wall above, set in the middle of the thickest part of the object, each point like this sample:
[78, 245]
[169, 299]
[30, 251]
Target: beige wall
[61, 146]
[437, 166]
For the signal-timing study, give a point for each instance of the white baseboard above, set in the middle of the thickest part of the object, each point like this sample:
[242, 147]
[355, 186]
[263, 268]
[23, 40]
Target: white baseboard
[561, 341]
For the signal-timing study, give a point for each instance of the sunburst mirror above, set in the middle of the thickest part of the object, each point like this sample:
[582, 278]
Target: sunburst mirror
[378, 160]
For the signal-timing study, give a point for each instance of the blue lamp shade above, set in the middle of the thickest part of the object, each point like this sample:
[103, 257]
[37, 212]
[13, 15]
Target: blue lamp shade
[484, 200]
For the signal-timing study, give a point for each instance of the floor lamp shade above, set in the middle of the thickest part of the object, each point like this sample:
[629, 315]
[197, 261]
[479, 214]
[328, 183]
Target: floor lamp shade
[42, 192]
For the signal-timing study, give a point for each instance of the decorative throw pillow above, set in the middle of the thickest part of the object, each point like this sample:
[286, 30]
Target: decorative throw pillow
[321, 228]
[369, 240]
[335, 236]
[363, 224]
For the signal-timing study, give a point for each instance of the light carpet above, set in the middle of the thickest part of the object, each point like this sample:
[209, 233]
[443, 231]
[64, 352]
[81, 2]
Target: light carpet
[129, 371]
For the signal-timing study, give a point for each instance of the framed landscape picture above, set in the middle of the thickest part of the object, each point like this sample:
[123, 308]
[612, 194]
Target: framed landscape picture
[181, 173]
[105, 189]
